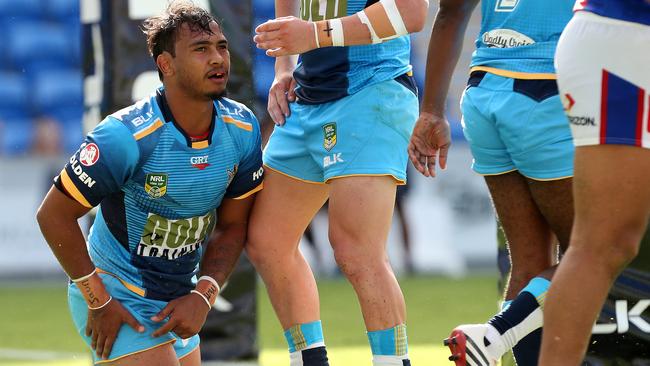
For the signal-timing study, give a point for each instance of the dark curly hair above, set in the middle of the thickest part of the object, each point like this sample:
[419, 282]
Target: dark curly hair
[162, 30]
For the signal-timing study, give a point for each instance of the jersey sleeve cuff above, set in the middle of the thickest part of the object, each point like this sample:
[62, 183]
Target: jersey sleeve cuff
[71, 190]
[252, 191]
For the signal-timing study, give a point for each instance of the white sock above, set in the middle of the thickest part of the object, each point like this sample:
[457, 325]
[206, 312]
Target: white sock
[378, 360]
[502, 343]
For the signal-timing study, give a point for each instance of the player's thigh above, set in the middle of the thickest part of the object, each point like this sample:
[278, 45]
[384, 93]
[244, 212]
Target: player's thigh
[191, 359]
[490, 155]
[360, 214]
[555, 200]
[281, 212]
[161, 356]
[528, 235]
[612, 199]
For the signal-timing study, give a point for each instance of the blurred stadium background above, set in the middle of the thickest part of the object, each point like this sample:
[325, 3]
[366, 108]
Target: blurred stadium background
[447, 264]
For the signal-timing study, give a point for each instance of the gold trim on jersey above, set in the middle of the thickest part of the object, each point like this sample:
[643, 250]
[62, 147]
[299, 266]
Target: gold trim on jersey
[72, 189]
[200, 144]
[399, 182]
[241, 124]
[291, 176]
[149, 130]
[254, 190]
[514, 74]
[133, 288]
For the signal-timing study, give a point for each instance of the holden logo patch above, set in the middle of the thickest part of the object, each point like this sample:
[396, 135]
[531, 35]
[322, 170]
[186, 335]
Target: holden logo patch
[155, 184]
[329, 135]
[89, 154]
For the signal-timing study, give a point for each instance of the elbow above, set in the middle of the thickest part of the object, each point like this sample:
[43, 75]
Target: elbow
[416, 16]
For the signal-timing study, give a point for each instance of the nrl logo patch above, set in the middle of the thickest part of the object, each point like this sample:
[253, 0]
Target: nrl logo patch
[231, 173]
[155, 184]
[329, 135]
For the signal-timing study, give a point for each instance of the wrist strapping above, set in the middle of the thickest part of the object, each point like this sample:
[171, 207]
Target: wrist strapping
[75, 280]
[101, 306]
[316, 35]
[207, 302]
[214, 282]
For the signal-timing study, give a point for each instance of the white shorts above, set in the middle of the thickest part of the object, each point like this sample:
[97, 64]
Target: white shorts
[603, 70]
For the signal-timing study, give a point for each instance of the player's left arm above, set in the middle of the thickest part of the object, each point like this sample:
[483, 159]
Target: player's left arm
[380, 22]
[187, 314]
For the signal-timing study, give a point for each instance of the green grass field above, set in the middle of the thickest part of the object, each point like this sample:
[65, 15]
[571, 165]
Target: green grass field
[35, 322]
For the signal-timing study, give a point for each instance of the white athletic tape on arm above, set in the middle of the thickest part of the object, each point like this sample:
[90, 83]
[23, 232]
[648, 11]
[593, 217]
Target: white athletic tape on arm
[338, 39]
[395, 18]
[316, 34]
[82, 278]
[364, 19]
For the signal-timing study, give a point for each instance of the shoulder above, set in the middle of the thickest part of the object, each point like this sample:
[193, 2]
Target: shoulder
[140, 118]
[236, 115]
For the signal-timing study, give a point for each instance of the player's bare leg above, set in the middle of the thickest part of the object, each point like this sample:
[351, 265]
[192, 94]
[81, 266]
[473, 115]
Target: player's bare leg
[282, 211]
[192, 359]
[526, 210]
[163, 355]
[612, 203]
[534, 214]
[360, 214]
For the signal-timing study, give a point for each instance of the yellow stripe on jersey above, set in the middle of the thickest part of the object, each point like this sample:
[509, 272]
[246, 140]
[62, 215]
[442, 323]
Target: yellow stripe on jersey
[200, 144]
[149, 130]
[133, 288]
[72, 189]
[247, 194]
[241, 124]
[515, 74]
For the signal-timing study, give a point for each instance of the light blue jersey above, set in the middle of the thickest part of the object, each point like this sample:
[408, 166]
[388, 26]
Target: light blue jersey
[331, 73]
[158, 190]
[520, 35]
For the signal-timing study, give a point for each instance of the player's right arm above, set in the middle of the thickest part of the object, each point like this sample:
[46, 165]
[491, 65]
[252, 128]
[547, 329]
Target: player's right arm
[431, 138]
[282, 91]
[80, 186]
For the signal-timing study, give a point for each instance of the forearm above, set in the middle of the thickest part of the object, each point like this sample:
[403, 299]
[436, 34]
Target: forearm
[355, 32]
[445, 46]
[223, 251]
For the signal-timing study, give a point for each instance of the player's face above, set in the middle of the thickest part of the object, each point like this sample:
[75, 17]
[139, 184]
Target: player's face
[202, 62]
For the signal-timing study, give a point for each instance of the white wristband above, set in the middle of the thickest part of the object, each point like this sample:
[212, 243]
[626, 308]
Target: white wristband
[101, 306]
[338, 38]
[83, 278]
[214, 282]
[316, 34]
[364, 19]
[203, 297]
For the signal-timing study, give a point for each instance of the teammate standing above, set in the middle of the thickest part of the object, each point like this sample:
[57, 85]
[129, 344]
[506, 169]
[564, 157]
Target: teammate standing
[344, 138]
[521, 143]
[158, 170]
[603, 65]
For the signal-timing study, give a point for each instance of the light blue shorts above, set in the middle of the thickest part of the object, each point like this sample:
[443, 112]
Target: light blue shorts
[366, 133]
[128, 340]
[515, 124]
